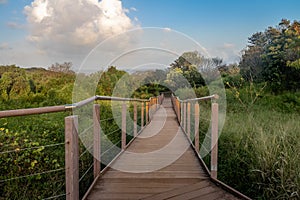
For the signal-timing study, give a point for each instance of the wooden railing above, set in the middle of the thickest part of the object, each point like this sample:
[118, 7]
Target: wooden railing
[148, 107]
[182, 109]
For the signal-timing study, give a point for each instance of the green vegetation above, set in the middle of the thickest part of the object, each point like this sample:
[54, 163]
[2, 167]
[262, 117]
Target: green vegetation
[258, 147]
[259, 143]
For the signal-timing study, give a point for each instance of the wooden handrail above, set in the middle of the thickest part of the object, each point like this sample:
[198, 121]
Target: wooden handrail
[62, 108]
[185, 120]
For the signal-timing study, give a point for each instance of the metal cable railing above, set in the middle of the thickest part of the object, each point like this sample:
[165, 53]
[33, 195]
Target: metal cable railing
[31, 175]
[189, 117]
[31, 148]
[79, 164]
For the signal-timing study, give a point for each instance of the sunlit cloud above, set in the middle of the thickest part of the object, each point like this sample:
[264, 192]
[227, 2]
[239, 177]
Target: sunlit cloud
[74, 26]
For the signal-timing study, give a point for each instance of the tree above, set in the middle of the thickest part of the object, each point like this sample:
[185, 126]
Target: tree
[251, 64]
[14, 84]
[108, 80]
[187, 65]
[63, 68]
[273, 56]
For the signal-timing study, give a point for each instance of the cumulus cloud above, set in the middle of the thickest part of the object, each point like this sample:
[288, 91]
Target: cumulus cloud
[64, 25]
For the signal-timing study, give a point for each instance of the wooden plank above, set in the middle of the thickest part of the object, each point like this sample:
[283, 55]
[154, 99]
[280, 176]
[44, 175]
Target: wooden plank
[211, 196]
[193, 194]
[179, 191]
[182, 179]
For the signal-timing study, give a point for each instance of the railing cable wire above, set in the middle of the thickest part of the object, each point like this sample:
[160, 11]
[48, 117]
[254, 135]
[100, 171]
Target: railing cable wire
[30, 148]
[30, 175]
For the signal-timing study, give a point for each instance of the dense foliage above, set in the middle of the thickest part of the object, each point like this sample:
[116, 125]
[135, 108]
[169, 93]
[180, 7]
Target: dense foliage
[273, 56]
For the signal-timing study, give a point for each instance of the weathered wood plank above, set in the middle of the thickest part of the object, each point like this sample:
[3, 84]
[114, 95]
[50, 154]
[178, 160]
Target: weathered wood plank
[183, 178]
[179, 191]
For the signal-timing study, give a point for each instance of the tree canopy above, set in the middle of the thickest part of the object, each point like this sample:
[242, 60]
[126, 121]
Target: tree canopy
[274, 56]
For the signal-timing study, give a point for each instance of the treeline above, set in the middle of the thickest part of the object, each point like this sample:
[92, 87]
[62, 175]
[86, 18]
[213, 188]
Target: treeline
[273, 56]
[34, 87]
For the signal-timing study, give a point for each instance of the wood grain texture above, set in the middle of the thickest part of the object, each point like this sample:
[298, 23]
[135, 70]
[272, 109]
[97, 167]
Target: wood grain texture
[184, 178]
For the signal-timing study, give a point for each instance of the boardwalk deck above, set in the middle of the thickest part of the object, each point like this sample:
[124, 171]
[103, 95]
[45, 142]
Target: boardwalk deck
[146, 169]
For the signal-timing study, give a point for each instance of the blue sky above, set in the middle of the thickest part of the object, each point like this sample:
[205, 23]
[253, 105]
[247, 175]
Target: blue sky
[222, 27]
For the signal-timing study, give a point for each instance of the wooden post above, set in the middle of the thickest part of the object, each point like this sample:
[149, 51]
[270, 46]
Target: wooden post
[142, 115]
[135, 119]
[189, 119]
[147, 112]
[181, 114]
[196, 134]
[184, 117]
[214, 140]
[97, 140]
[72, 158]
[179, 111]
[124, 110]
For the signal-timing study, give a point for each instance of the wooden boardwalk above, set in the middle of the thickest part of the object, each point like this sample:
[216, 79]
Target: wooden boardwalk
[146, 169]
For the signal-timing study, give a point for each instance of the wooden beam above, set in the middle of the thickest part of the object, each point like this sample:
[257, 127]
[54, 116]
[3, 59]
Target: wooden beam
[147, 112]
[214, 140]
[142, 115]
[135, 119]
[124, 110]
[97, 140]
[188, 120]
[72, 158]
[196, 133]
[184, 117]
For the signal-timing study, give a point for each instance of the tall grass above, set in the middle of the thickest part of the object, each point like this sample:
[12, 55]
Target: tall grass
[259, 153]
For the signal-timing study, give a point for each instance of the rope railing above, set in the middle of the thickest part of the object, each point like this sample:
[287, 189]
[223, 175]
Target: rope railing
[142, 110]
[183, 110]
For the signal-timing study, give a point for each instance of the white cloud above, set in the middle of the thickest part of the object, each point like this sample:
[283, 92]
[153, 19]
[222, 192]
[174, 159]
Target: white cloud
[74, 26]
[228, 52]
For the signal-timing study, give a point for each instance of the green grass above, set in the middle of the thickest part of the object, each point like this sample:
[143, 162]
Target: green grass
[259, 153]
